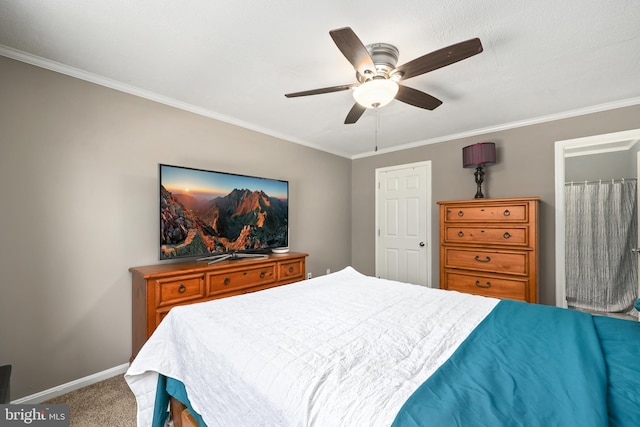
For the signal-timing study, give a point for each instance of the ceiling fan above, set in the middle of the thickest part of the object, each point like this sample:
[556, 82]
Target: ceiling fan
[378, 77]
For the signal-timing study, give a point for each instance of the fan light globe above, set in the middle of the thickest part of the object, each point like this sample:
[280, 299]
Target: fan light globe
[375, 93]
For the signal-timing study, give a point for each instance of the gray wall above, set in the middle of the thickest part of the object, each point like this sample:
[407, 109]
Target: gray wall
[604, 166]
[78, 167]
[525, 167]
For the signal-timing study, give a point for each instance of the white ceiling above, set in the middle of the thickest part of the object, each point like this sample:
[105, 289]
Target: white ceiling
[234, 60]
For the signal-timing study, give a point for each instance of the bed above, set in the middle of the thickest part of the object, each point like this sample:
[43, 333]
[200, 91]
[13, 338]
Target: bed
[346, 349]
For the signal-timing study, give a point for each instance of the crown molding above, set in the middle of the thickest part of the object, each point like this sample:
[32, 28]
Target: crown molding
[152, 96]
[506, 126]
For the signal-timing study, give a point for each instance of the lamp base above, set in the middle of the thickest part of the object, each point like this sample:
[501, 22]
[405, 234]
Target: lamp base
[479, 175]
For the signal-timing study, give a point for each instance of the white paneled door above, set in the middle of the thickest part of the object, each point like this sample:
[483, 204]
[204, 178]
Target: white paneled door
[403, 236]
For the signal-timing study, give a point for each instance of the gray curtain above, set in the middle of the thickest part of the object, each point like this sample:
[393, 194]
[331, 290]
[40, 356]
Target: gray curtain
[601, 231]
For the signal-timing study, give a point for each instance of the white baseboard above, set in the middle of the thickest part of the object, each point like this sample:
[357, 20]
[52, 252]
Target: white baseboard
[73, 385]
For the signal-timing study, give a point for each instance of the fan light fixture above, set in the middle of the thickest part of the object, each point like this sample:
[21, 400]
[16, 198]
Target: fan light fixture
[376, 92]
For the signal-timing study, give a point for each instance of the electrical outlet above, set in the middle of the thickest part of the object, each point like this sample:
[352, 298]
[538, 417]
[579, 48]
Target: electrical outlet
[309, 275]
[328, 271]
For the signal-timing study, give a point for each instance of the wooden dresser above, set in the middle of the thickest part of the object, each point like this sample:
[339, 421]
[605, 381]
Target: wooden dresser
[490, 247]
[158, 288]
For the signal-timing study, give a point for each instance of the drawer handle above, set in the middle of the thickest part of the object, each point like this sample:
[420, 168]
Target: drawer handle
[460, 234]
[291, 269]
[506, 212]
[460, 213]
[487, 259]
[480, 285]
[227, 281]
[182, 288]
[506, 235]
[262, 274]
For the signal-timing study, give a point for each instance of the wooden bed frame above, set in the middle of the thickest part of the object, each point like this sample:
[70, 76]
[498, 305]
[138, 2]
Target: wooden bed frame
[180, 415]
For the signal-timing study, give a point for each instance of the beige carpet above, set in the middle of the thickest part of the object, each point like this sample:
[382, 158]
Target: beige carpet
[107, 403]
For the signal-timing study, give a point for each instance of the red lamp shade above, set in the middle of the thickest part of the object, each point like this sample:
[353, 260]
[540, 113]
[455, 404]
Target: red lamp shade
[480, 154]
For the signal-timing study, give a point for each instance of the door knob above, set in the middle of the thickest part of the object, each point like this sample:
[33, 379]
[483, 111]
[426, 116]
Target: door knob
[421, 244]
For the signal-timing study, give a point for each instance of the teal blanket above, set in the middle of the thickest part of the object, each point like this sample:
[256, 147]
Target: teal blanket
[171, 387]
[533, 365]
[620, 341]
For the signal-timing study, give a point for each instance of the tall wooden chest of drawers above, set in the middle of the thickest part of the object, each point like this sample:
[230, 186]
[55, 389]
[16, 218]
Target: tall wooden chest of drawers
[490, 247]
[158, 288]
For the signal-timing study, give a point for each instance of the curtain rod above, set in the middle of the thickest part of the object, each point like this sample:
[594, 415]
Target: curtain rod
[600, 181]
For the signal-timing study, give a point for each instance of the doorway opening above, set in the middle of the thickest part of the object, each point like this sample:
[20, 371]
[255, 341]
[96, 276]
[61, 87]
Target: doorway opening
[586, 150]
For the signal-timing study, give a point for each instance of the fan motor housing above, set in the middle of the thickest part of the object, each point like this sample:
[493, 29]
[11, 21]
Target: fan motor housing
[385, 58]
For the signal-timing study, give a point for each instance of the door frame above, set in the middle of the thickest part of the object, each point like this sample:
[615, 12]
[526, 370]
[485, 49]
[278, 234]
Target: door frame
[616, 141]
[428, 238]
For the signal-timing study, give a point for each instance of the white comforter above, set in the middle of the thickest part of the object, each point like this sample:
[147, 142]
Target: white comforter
[339, 350]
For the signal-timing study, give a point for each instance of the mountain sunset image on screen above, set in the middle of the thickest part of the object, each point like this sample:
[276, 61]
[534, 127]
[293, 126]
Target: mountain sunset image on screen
[207, 212]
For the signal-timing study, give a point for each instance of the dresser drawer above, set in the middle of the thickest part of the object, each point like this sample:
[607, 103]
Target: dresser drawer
[179, 288]
[495, 213]
[508, 262]
[489, 286]
[515, 236]
[236, 279]
[292, 271]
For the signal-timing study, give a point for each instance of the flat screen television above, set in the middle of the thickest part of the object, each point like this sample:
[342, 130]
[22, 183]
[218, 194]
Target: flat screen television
[212, 215]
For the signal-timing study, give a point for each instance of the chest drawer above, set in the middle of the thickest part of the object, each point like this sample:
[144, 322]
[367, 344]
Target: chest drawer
[516, 236]
[291, 271]
[489, 286]
[496, 213]
[237, 279]
[178, 289]
[485, 260]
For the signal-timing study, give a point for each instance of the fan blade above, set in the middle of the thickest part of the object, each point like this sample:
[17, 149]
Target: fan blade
[353, 49]
[354, 114]
[440, 58]
[319, 91]
[417, 98]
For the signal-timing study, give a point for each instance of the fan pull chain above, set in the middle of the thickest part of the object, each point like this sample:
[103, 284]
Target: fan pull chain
[377, 127]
